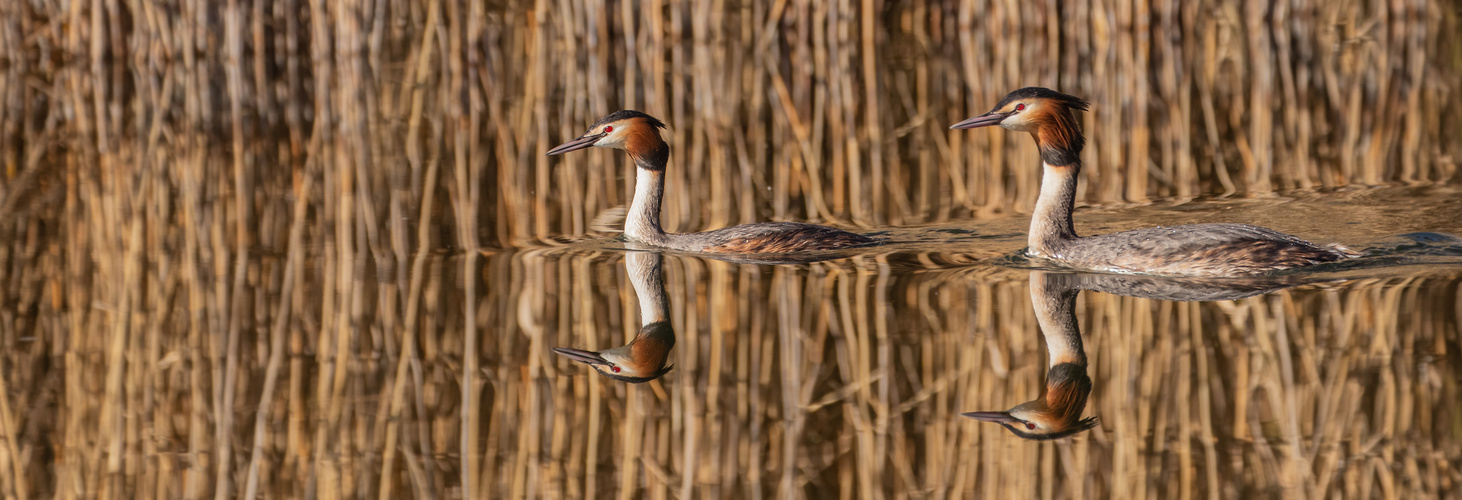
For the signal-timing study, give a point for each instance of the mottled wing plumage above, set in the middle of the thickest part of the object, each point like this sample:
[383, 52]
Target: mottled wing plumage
[778, 237]
[1199, 250]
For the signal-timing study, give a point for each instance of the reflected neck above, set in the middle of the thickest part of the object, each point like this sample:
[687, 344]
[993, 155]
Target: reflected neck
[1051, 223]
[1055, 305]
[652, 345]
[649, 284]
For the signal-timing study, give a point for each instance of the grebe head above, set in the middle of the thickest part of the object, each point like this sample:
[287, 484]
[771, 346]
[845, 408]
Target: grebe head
[1056, 414]
[1031, 423]
[642, 360]
[1047, 114]
[630, 130]
[1027, 110]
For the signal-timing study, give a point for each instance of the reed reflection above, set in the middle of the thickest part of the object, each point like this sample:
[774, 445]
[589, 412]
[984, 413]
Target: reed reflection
[644, 358]
[1056, 412]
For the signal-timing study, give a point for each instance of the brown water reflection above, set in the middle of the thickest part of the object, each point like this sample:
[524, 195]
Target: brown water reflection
[847, 376]
[838, 376]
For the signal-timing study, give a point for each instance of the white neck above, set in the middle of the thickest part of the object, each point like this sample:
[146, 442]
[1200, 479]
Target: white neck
[1051, 222]
[643, 222]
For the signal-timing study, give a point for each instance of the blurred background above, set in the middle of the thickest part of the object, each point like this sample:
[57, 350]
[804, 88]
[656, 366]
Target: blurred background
[314, 249]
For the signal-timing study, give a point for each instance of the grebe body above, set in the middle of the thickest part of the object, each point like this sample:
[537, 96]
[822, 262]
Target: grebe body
[1201, 250]
[1205, 250]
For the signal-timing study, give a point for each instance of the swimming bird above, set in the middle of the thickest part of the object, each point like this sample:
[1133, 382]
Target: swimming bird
[1207, 250]
[639, 135]
[644, 358]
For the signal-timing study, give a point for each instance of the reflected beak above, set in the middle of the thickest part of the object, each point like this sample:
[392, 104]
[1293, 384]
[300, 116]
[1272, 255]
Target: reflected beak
[985, 120]
[576, 144]
[998, 417]
[582, 356]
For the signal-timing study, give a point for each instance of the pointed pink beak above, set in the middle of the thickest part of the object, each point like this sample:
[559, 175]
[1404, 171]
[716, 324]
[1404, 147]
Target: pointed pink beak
[576, 144]
[985, 120]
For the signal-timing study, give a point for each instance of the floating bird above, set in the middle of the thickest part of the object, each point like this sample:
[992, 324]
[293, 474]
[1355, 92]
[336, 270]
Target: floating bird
[639, 135]
[1208, 250]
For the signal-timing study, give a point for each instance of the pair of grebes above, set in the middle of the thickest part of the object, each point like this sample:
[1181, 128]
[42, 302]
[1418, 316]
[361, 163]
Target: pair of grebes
[1197, 250]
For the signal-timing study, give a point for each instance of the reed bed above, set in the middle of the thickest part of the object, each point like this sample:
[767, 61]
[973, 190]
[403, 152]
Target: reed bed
[222, 228]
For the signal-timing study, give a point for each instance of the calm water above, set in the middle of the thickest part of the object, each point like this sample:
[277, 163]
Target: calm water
[851, 374]
[315, 250]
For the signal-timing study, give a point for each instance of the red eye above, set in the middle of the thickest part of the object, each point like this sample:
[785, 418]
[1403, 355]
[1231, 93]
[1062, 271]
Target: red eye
[616, 370]
[1030, 426]
[608, 129]
[1021, 107]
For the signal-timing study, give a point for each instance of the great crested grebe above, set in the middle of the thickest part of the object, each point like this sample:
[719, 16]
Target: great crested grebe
[644, 358]
[639, 135]
[1208, 250]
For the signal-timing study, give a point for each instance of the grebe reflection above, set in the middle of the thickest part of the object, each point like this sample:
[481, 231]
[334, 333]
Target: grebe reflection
[645, 357]
[1056, 412]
